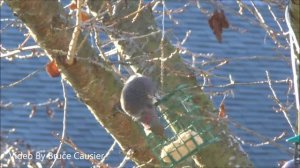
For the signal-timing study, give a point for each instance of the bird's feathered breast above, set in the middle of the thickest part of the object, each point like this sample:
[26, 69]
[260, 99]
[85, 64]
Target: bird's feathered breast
[137, 94]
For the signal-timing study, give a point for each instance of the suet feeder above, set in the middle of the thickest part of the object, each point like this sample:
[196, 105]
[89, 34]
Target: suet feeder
[186, 131]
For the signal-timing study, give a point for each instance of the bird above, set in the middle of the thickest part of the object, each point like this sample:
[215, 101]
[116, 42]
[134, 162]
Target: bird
[137, 101]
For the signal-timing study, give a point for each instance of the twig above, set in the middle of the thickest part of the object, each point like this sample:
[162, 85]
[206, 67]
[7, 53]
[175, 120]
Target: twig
[25, 41]
[116, 21]
[259, 136]
[246, 83]
[21, 80]
[126, 158]
[218, 66]
[242, 58]
[10, 105]
[106, 43]
[276, 20]
[108, 152]
[295, 61]
[257, 13]
[261, 22]
[187, 35]
[64, 123]
[145, 164]
[264, 142]
[102, 53]
[262, 138]
[76, 32]
[14, 52]
[7, 151]
[282, 108]
[82, 42]
[169, 12]
[162, 51]
[139, 9]
[69, 141]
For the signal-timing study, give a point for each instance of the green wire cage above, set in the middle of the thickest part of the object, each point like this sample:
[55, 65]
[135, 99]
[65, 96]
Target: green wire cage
[186, 131]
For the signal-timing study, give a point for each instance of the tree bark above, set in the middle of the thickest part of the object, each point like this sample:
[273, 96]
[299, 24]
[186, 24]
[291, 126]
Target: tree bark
[97, 87]
[294, 9]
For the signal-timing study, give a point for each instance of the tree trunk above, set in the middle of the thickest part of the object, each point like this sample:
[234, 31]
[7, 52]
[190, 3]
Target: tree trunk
[97, 87]
[294, 9]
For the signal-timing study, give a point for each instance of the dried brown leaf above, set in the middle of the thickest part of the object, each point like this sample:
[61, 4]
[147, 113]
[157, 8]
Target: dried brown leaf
[49, 112]
[52, 69]
[217, 23]
[222, 111]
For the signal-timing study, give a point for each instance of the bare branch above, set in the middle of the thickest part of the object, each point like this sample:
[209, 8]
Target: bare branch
[19, 50]
[277, 101]
[21, 80]
[64, 123]
[73, 43]
[109, 151]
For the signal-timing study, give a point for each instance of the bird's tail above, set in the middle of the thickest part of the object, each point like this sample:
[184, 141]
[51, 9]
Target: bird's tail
[154, 127]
